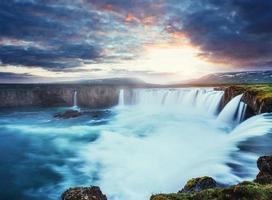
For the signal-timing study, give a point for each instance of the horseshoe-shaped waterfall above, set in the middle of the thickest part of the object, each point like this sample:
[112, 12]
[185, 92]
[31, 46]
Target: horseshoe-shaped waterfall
[151, 142]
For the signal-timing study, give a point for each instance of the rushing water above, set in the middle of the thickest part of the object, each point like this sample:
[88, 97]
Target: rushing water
[153, 142]
[75, 107]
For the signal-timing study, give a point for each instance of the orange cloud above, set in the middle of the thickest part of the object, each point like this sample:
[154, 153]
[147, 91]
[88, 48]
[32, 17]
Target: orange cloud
[149, 20]
[131, 18]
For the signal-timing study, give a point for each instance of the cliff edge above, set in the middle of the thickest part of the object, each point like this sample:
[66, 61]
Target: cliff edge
[257, 97]
[59, 95]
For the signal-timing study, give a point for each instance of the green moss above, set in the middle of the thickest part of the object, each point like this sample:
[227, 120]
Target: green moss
[194, 181]
[242, 191]
[262, 91]
[204, 182]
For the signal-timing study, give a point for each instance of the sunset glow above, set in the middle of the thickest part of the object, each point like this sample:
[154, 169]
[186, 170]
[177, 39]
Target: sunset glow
[144, 39]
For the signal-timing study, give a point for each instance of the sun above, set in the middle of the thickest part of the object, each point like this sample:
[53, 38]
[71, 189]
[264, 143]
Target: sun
[176, 59]
[172, 59]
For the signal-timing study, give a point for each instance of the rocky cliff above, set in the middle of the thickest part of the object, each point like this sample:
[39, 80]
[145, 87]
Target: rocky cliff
[58, 95]
[257, 98]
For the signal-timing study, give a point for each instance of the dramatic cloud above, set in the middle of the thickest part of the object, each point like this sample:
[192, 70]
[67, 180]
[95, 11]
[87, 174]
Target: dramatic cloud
[68, 35]
[5, 77]
[59, 34]
[236, 31]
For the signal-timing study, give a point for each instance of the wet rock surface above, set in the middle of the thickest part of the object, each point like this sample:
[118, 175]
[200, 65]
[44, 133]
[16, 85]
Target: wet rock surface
[68, 114]
[92, 114]
[199, 184]
[264, 164]
[83, 193]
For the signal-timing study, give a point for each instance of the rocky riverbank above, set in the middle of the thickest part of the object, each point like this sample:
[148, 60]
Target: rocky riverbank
[59, 95]
[203, 188]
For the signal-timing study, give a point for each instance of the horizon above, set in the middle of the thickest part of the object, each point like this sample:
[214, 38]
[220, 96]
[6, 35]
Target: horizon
[128, 80]
[156, 41]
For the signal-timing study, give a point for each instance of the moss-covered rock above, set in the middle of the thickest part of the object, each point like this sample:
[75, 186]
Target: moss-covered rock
[242, 191]
[198, 184]
[83, 193]
[258, 97]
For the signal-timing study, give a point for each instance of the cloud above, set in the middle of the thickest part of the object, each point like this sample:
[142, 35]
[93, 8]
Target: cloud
[67, 34]
[65, 56]
[61, 34]
[6, 77]
[235, 31]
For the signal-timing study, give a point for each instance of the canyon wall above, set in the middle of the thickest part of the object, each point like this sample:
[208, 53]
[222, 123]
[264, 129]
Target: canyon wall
[58, 95]
[102, 96]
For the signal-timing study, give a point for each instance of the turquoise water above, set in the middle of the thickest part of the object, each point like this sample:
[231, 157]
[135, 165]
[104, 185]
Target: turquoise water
[130, 151]
[32, 146]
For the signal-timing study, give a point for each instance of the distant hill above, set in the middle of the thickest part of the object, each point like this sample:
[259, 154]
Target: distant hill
[119, 82]
[110, 81]
[249, 77]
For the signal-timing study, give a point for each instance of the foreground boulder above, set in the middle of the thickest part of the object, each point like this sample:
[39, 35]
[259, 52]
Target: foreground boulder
[199, 184]
[204, 188]
[68, 114]
[84, 193]
[264, 164]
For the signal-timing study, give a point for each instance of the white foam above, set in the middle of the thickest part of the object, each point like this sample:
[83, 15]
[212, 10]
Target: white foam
[156, 151]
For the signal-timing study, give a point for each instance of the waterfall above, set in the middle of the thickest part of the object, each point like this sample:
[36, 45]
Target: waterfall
[241, 112]
[121, 100]
[75, 100]
[204, 99]
[229, 113]
[255, 126]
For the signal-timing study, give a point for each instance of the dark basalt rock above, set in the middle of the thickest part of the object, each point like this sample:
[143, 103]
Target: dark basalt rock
[255, 105]
[264, 164]
[199, 184]
[97, 113]
[83, 193]
[68, 114]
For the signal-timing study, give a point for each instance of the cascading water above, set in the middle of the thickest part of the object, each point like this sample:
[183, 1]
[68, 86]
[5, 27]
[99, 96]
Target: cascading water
[205, 99]
[255, 126]
[158, 140]
[241, 112]
[229, 112]
[121, 101]
[75, 100]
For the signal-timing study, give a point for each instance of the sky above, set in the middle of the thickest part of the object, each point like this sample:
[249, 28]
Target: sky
[154, 40]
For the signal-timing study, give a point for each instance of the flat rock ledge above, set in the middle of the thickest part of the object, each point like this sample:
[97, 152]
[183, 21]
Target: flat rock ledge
[83, 193]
